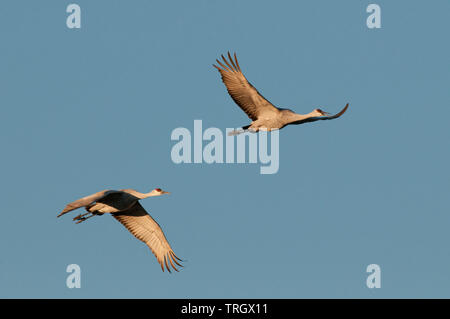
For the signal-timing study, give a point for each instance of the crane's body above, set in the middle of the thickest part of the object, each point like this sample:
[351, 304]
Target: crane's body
[124, 206]
[264, 115]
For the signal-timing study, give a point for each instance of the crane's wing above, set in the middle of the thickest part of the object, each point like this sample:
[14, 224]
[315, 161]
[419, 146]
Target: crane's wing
[318, 118]
[242, 92]
[145, 228]
[86, 201]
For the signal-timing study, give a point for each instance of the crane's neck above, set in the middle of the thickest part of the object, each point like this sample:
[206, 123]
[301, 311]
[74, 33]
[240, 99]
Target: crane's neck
[141, 195]
[150, 194]
[300, 117]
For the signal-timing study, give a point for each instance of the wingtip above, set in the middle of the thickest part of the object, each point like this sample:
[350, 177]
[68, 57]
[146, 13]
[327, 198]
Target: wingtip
[237, 63]
[182, 260]
[230, 66]
[167, 265]
[342, 111]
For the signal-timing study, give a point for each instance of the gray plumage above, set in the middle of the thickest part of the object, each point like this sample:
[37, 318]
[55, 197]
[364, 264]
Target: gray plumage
[124, 206]
[264, 115]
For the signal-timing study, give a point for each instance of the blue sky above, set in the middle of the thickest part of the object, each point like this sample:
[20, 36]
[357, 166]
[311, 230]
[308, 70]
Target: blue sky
[88, 109]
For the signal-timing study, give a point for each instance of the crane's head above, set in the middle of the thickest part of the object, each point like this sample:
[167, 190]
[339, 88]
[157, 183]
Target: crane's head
[158, 192]
[319, 112]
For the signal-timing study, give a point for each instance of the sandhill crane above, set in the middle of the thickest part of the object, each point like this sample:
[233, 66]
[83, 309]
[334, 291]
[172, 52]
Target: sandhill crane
[124, 206]
[264, 115]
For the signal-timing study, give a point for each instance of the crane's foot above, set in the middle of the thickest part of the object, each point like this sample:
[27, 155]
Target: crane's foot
[82, 218]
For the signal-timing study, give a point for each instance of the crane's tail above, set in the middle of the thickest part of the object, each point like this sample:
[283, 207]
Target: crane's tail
[239, 131]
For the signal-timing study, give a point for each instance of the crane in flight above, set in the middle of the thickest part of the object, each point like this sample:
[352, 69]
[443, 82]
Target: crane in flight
[124, 206]
[264, 115]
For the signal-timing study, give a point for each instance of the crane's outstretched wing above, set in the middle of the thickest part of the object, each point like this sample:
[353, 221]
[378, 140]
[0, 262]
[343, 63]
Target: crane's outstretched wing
[146, 229]
[86, 201]
[242, 92]
[318, 118]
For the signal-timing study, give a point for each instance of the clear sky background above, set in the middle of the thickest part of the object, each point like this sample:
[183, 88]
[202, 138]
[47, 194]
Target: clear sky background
[89, 109]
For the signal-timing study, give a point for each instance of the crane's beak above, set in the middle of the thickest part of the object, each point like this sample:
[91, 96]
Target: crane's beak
[164, 192]
[325, 113]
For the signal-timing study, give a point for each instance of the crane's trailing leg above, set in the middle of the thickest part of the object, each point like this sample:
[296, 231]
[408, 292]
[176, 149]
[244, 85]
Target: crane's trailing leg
[241, 130]
[251, 129]
[81, 217]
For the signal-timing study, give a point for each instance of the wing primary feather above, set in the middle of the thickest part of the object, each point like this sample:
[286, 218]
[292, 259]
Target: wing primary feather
[338, 114]
[231, 60]
[343, 110]
[167, 266]
[237, 63]
[175, 259]
[223, 66]
[173, 266]
[225, 60]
